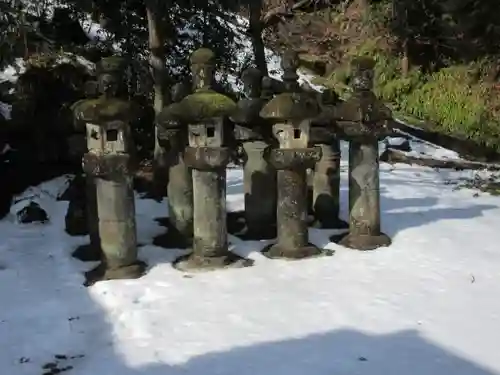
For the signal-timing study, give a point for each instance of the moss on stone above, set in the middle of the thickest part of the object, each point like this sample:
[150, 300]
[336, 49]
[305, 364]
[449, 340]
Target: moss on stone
[202, 56]
[103, 109]
[205, 104]
[362, 107]
[296, 106]
[247, 111]
[170, 116]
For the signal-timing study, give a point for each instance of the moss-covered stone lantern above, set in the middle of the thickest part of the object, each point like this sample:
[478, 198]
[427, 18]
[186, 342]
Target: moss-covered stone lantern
[325, 179]
[291, 114]
[172, 137]
[91, 251]
[363, 120]
[255, 135]
[206, 112]
[109, 161]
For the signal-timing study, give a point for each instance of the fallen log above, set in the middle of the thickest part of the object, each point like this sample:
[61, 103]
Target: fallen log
[392, 156]
[466, 148]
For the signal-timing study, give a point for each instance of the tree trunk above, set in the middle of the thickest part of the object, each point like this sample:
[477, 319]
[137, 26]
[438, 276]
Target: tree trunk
[256, 34]
[157, 63]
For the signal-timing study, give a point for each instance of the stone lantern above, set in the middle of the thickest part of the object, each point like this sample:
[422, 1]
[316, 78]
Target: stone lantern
[206, 112]
[291, 114]
[109, 161]
[259, 177]
[172, 137]
[363, 120]
[325, 179]
[91, 251]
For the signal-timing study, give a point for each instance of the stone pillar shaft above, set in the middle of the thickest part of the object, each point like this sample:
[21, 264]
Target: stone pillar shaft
[180, 198]
[292, 209]
[326, 185]
[210, 232]
[92, 216]
[117, 228]
[260, 189]
[364, 189]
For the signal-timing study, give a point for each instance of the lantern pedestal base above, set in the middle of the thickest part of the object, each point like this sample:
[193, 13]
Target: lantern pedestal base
[173, 239]
[276, 251]
[194, 263]
[362, 242]
[236, 225]
[102, 273]
[88, 253]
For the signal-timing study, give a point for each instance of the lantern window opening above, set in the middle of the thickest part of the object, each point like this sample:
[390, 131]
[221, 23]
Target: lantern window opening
[112, 135]
[94, 134]
[296, 133]
[210, 131]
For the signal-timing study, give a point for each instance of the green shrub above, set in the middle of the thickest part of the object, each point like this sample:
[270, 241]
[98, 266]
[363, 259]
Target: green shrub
[458, 100]
[456, 103]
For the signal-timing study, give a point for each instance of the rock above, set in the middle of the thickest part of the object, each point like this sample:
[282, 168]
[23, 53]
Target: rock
[32, 213]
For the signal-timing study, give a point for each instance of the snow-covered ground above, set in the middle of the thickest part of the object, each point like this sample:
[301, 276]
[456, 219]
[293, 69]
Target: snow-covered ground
[425, 305]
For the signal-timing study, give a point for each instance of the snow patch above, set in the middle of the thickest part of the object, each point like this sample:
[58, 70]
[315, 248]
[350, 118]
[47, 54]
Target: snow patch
[422, 306]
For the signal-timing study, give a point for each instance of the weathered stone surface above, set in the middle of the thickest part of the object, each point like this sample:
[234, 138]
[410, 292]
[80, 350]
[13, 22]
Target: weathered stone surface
[254, 134]
[290, 106]
[363, 115]
[180, 201]
[103, 273]
[364, 198]
[109, 165]
[207, 158]
[205, 104]
[208, 155]
[292, 218]
[92, 251]
[300, 158]
[260, 186]
[325, 180]
[363, 120]
[326, 187]
[172, 136]
[103, 109]
[290, 114]
[117, 227]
